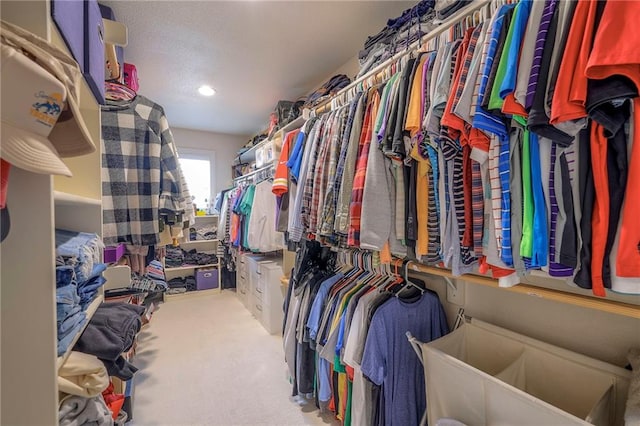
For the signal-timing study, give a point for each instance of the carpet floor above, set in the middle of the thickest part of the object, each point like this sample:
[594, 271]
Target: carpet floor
[206, 361]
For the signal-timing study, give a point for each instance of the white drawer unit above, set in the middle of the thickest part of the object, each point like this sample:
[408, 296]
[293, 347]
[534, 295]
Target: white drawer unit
[243, 277]
[265, 295]
[242, 280]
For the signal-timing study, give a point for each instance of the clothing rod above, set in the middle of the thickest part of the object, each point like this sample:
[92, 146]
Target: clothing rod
[446, 25]
[604, 305]
[250, 174]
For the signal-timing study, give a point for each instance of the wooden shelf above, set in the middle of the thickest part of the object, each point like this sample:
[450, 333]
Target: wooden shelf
[65, 199]
[189, 267]
[250, 153]
[190, 294]
[91, 310]
[604, 305]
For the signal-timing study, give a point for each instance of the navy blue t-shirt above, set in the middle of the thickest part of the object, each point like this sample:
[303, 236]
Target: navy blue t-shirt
[390, 361]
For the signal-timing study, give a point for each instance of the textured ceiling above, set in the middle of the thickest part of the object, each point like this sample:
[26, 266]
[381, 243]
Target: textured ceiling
[253, 53]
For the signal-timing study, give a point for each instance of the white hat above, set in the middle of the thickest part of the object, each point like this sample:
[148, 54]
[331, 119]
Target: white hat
[41, 119]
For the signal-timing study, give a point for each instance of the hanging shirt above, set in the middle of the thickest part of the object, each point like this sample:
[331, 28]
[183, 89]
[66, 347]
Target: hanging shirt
[140, 170]
[261, 226]
[389, 359]
[617, 29]
[346, 188]
[355, 208]
[280, 181]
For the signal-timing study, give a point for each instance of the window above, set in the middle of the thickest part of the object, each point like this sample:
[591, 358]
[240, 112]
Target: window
[198, 170]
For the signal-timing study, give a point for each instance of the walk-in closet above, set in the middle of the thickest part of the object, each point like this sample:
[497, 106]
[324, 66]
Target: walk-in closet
[352, 213]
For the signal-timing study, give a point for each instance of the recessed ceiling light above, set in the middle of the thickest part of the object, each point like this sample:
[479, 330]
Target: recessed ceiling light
[206, 90]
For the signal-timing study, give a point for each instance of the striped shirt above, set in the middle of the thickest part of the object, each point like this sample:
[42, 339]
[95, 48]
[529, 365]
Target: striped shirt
[330, 218]
[543, 30]
[355, 208]
[313, 185]
[556, 269]
[477, 204]
[302, 203]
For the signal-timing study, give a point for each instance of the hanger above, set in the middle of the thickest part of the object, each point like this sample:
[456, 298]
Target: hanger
[408, 284]
[116, 91]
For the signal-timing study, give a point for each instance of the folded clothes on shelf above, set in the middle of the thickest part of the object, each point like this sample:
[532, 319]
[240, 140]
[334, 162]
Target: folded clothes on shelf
[187, 283]
[82, 375]
[207, 232]
[87, 290]
[110, 333]
[80, 250]
[77, 410]
[78, 280]
[70, 318]
[177, 257]
[402, 31]
[192, 257]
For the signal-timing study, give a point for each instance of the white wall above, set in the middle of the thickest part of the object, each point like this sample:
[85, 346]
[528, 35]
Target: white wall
[225, 147]
[597, 334]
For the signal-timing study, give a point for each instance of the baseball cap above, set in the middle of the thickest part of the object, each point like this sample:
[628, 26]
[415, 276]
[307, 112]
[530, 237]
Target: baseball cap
[41, 119]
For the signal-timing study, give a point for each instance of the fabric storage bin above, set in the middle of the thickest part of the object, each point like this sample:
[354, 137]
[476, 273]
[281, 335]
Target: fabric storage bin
[80, 24]
[206, 278]
[575, 388]
[69, 16]
[93, 69]
[543, 384]
[113, 253]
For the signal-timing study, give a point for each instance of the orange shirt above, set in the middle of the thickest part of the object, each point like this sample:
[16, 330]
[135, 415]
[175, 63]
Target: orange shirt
[281, 177]
[615, 51]
[570, 94]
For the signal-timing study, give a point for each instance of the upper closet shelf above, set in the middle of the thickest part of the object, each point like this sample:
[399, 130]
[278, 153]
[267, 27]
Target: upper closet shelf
[91, 310]
[250, 154]
[66, 199]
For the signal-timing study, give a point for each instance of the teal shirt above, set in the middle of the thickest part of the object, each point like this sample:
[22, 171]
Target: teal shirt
[245, 209]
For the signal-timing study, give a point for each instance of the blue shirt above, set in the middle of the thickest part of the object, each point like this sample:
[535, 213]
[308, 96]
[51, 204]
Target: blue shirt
[315, 313]
[295, 159]
[540, 227]
[520, 18]
[389, 359]
[483, 120]
[313, 324]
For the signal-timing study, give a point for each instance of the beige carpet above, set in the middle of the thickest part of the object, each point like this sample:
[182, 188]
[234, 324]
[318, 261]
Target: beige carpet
[207, 361]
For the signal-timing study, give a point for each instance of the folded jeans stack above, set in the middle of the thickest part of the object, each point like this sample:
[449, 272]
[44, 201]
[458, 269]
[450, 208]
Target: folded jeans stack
[78, 279]
[80, 250]
[70, 316]
[87, 290]
[110, 333]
